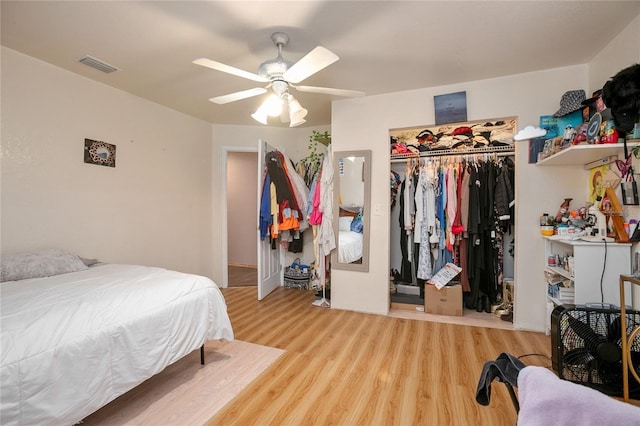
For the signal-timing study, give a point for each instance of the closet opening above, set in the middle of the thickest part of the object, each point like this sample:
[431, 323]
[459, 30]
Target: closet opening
[452, 207]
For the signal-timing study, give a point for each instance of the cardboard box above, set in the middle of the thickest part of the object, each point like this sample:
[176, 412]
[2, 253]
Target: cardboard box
[446, 301]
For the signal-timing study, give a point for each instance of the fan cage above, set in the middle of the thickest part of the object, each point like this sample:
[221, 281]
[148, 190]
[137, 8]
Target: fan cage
[577, 331]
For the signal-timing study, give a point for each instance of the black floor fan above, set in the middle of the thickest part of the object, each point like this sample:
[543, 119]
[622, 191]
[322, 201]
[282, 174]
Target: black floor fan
[586, 347]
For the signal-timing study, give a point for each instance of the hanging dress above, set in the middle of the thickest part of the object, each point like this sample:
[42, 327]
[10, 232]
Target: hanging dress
[425, 204]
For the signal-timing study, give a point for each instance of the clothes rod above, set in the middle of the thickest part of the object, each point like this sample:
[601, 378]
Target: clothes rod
[502, 151]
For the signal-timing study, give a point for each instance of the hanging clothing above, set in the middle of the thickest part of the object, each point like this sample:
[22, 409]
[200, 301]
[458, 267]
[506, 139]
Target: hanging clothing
[395, 181]
[405, 265]
[314, 215]
[464, 226]
[284, 198]
[300, 190]
[425, 220]
[326, 235]
[406, 220]
[266, 220]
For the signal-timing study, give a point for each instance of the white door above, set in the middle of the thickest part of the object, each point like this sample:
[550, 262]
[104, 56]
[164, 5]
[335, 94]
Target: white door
[269, 267]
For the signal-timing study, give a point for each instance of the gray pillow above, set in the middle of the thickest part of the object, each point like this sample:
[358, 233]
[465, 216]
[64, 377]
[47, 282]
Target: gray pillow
[88, 261]
[38, 264]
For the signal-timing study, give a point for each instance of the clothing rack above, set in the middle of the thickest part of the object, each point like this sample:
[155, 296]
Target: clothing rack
[500, 151]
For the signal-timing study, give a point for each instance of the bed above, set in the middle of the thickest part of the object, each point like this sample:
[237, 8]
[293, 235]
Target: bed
[350, 242]
[75, 340]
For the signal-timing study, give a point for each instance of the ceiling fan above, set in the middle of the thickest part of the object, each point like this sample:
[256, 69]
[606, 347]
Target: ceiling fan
[280, 75]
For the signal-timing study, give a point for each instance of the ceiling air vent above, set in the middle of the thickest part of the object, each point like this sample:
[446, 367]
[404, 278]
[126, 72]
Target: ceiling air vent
[97, 64]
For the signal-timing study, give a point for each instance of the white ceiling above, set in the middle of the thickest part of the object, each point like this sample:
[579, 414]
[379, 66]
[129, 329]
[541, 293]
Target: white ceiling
[384, 46]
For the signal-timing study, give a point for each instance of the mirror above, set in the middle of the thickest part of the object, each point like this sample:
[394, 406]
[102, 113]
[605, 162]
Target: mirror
[352, 200]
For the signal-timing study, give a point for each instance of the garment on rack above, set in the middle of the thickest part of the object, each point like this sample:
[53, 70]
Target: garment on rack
[326, 235]
[266, 220]
[283, 198]
[405, 263]
[425, 220]
[395, 182]
[300, 189]
[452, 204]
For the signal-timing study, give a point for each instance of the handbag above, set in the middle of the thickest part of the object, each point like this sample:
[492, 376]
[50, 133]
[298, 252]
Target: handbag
[297, 275]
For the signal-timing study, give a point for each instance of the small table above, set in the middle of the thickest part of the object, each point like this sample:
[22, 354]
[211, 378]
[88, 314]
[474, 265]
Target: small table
[626, 354]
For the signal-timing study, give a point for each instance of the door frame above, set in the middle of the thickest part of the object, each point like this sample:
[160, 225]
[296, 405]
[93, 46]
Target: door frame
[223, 231]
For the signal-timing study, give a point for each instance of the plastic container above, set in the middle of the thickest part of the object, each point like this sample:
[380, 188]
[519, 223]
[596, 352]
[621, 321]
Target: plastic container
[547, 231]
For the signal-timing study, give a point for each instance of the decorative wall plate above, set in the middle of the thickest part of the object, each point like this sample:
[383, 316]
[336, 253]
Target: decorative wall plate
[594, 127]
[98, 152]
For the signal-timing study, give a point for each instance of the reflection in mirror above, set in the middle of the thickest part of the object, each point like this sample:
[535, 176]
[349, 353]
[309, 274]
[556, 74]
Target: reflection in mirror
[352, 189]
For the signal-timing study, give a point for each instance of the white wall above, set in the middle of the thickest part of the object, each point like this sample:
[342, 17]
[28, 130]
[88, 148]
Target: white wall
[153, 208]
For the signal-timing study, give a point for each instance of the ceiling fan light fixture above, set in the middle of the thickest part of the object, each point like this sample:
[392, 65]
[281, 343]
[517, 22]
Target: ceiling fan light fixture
[261, 115]
[296, 112]
[273, 105]
[280, 74]
[293, 123]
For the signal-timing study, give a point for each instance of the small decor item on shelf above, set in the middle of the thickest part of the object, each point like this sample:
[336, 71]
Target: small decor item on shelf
[563, 211]
[593, 128]
[569, 133]
[297, 275]
[546, 230]
[609, 133]
[545, 220]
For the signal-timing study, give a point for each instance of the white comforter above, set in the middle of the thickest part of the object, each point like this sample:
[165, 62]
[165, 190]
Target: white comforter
[350, 246]
[73, 342]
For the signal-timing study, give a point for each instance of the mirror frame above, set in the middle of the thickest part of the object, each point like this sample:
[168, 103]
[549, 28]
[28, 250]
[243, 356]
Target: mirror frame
[364, 266]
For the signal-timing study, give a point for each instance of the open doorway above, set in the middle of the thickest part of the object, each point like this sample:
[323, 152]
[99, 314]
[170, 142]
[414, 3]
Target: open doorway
[242, 208]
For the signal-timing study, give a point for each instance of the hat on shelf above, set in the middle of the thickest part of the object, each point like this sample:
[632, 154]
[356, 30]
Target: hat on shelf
[594, 97]
[571, 101]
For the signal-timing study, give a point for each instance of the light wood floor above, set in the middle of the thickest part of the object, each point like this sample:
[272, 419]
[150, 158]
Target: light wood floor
[347, 368]
[242, 276]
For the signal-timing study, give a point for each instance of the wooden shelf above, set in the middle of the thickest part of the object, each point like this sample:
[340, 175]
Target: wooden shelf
[560, 271]
[579, 155]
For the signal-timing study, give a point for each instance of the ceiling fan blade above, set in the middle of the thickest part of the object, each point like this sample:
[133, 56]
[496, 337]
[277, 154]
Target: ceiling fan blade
[311, 63]
[329, 91]
[225, 99]
[229, 69]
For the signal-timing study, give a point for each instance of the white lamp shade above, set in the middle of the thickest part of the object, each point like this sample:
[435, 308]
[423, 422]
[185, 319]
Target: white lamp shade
[260, 115]
[297, 122]
[272, 106]
[296, 112]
